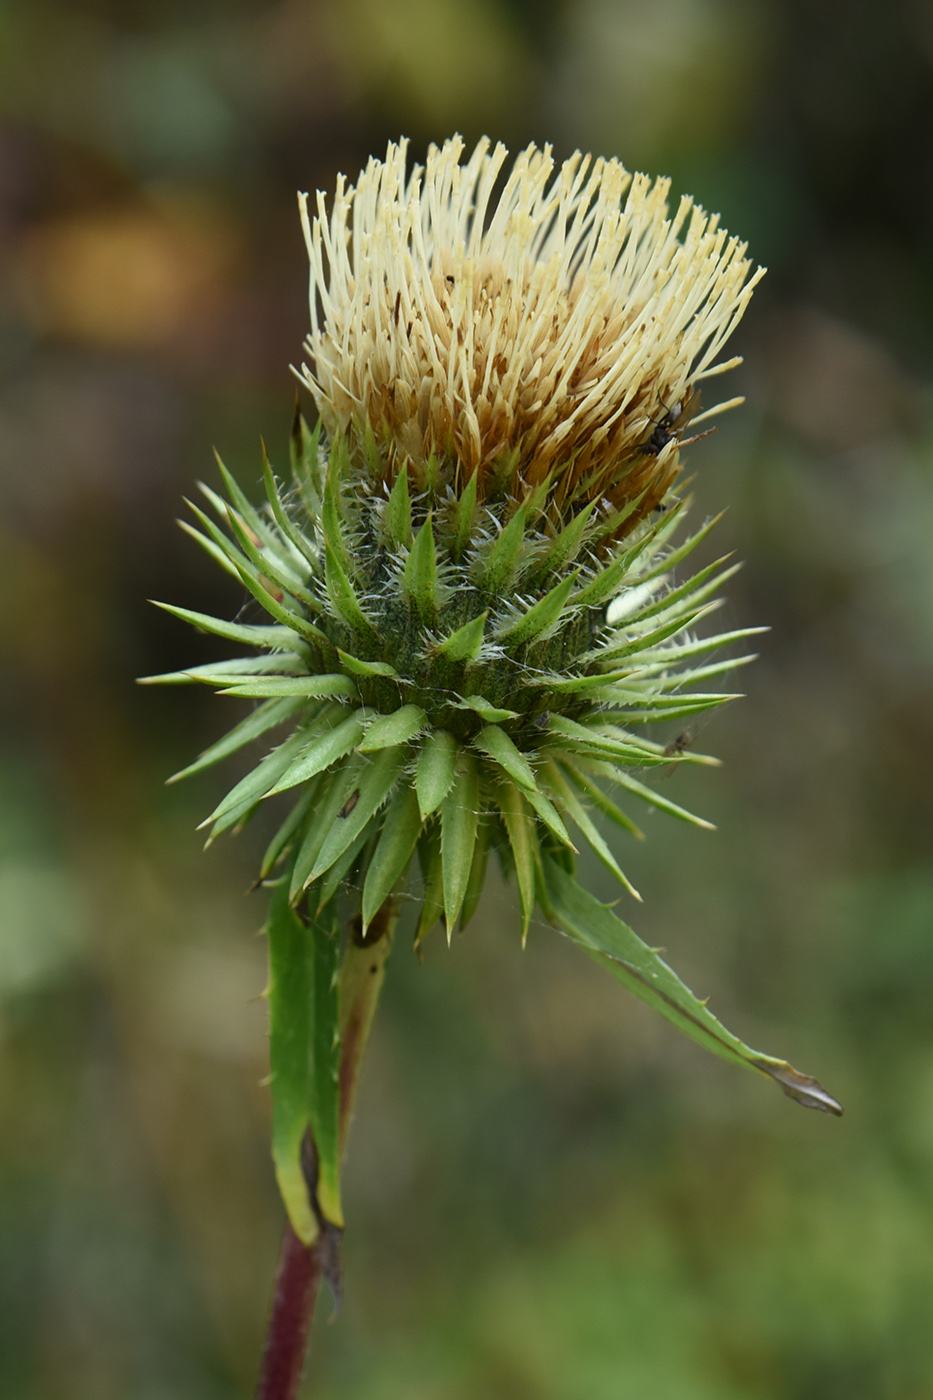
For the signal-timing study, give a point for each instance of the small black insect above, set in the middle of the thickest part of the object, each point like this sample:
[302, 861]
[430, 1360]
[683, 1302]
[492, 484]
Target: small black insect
[543, 720]
[667, 428]
[677, 746]
[350, 803]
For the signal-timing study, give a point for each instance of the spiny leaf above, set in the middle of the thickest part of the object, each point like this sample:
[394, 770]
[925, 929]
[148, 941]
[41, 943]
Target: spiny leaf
[466, 510]
[655, 800]
[598, 797]
[334, 794]
[399, 728]
[499, 563]
[572, 804]
[675, 557]
[295, 537]
[307, 687]
[685, 650]
[695, 591]
[289, 828]
[376, 782]
[613, 944]
[340, 590]
[497, 744]
[459, 816]
[261, 720]
[290, 1031]
[366, 668]
[249, 635]
[241, 503]
[281, 611]
[394, 850]
[583, 738]
[465, 643]
[218, 672]
[540, 618]
[396, 520]
[324, 1085]
[492, 714]
[477, 881]
[436, 768]
[519, 823]
[218, 555]
[432, 873]
[565, 544]
[420, 576]
[550, 816]
[263, 777]
[330, 743]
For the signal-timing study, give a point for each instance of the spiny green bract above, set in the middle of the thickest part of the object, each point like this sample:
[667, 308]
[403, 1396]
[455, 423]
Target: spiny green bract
[457, 677]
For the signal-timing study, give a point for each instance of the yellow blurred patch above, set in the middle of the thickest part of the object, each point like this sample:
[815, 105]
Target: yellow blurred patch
[127, 277]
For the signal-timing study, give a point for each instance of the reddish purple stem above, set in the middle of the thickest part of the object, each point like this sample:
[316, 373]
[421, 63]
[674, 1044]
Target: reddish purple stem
[292, 1309]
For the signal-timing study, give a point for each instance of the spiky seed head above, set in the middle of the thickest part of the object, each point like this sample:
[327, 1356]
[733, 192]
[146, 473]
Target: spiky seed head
[470, 590]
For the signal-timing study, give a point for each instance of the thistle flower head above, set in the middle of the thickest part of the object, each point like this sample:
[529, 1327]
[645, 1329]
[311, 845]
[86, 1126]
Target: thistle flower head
[472, 605]
[549, 327]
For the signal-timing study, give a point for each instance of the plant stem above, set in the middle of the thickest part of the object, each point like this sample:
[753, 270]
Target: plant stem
[296, 1286]
[300, 1266]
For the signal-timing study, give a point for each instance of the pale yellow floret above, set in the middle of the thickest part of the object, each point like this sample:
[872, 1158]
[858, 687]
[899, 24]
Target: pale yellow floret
[560, 321]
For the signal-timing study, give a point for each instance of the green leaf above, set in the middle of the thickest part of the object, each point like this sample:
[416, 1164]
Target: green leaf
[225, 672]
[420, 577]
[219, 555]
[639, 968]
[398, 728]
[540, 618]
[662, 803]
[496, 743]
[435, 774]
[346, 603]
[258, 783]
[477, 878]
[599, 798]
[497, 567]
[676, 556]
[290, 993]
[324, 889]
[335, 790]
[325, 1062]
[550, 816]
[466, 642]
[376, 782]
[582, 738]
[261, 720]
[492, 714]
[397, 518]
[305, 687]
[693, 591]
[459, 816]
[520, 825]
[299, 542]
[282, 613]
[572, 804]
[288, 830]
[395, 848]
[466, 511]
[251, 636]
[366, 668]
[333, 742]
[241, 502]
[565, 544]
[432, 874]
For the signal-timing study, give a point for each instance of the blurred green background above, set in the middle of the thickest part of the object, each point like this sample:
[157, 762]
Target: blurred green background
[551, 1194]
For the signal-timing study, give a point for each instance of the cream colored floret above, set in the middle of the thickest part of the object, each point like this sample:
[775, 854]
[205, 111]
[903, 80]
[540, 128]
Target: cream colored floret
[560, 320]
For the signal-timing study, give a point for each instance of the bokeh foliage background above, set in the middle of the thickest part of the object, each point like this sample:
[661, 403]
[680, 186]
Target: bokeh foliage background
[551, 1195]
